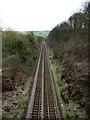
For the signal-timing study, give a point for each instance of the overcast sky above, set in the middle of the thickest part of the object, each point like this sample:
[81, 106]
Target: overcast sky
[26, 15]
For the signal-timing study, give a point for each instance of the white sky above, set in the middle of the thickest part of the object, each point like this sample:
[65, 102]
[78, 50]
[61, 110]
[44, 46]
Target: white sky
[26, 15]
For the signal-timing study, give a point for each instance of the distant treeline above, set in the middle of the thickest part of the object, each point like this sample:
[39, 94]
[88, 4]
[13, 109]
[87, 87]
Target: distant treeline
[41, 33]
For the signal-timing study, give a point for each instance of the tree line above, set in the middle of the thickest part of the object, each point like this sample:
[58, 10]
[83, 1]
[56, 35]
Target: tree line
[78, 23]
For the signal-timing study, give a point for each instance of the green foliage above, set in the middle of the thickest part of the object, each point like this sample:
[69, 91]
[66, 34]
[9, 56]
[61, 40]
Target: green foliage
[19, 53]
[63, 75]
[31, 38]
[22, 104]
[14, 46]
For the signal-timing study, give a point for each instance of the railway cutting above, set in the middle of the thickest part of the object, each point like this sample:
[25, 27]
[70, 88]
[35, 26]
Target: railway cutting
[43, 100]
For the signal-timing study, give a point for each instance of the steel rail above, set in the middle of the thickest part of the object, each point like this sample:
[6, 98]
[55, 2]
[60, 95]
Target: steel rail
[53, 89]
[42, 109]
[47, 100]
[31, 102]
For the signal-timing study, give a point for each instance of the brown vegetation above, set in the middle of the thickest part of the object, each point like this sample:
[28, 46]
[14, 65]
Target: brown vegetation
[69, 43]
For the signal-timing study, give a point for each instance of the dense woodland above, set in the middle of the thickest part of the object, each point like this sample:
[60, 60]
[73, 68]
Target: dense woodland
[19, 56]
[69, 43]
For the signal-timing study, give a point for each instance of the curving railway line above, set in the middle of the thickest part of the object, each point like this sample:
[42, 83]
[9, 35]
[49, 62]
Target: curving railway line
[43, 101]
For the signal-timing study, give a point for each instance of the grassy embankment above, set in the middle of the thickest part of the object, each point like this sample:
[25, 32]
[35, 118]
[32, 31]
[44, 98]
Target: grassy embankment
[20, 53]
[68, 44]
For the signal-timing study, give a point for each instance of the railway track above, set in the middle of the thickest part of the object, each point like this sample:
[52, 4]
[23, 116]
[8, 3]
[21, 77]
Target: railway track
[43, 101]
